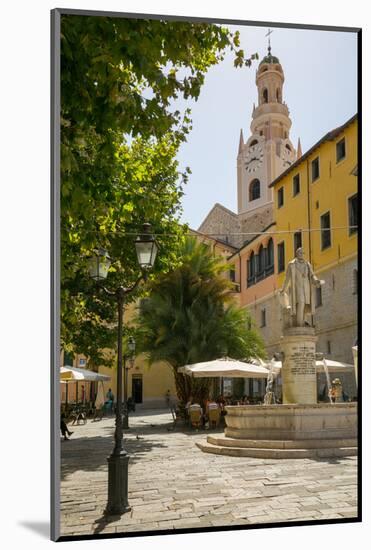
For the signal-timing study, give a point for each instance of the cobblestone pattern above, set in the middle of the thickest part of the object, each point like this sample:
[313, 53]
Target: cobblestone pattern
[173, 485]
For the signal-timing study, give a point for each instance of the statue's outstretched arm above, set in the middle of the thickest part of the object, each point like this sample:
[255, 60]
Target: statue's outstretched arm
[286, 281]
[314, 279]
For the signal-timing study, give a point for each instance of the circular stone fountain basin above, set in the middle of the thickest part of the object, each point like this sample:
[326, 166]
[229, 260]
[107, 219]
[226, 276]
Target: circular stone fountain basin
[273, 431]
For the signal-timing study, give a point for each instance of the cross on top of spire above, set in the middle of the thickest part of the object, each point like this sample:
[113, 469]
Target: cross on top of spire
[269, 41]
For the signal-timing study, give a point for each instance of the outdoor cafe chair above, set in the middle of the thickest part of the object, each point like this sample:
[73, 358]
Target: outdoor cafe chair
[214, 417]
[195, 416]
[78, 414]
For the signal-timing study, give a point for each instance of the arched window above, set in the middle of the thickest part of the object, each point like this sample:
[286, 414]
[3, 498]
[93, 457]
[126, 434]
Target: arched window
[265, 95]
[254, 190]
[254, 142]
[261, 261]
[288, 147]
[270, 257]
[252, 264]
[251, 269]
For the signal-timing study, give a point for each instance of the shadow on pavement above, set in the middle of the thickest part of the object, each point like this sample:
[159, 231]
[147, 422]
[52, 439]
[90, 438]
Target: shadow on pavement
[103, 522]
[333, 460]
[90, 453]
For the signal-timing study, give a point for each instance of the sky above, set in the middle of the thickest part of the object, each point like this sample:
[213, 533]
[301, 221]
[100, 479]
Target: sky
[320, 90]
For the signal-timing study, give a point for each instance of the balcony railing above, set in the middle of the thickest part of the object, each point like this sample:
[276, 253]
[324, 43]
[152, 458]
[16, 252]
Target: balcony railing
[257, 277]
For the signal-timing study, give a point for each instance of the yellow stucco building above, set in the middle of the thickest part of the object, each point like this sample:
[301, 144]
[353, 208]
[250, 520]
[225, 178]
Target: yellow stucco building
[315, 206]
[315, 202]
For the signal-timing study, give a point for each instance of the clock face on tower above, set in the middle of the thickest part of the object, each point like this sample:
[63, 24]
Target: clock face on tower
[287, 156]
[254, 158]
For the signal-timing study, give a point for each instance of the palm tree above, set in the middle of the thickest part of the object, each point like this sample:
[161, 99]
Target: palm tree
[191, 316]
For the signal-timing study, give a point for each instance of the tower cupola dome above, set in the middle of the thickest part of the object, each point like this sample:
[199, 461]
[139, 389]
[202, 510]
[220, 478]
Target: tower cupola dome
[269, 59]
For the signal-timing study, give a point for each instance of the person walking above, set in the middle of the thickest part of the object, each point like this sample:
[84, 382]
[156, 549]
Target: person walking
[64, 428]
[110, 398]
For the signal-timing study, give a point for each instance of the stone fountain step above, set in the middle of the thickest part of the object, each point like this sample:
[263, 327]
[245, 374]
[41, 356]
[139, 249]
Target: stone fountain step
[224, 441]
[256, 452]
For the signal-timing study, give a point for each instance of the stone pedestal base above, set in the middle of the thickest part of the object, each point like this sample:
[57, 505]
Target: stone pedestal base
[299, 379]
[287, 431]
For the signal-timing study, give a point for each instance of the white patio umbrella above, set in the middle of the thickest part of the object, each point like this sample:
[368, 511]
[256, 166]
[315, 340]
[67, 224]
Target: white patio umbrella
[75, 374]
[332, 366]
[224, 368]
[335, 366]
[100, 399]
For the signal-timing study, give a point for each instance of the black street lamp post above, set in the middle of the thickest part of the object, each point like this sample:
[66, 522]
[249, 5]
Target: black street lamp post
[128, 363]
[118, 461]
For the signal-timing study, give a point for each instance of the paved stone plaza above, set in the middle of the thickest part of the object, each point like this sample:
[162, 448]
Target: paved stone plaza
[173, 485]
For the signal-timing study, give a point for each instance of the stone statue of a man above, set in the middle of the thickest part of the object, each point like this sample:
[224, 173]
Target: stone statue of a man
[297, 293]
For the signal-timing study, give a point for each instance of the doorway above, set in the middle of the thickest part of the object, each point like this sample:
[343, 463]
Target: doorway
[137, 388]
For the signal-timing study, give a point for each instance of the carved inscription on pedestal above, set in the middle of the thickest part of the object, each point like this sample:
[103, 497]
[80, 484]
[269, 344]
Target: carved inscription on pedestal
[302, 360]
[299, 379]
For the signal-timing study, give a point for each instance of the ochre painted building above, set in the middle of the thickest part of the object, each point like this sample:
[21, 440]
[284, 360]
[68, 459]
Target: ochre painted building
[146, 384]
[256, 272]
[316, 198]
[316, 205]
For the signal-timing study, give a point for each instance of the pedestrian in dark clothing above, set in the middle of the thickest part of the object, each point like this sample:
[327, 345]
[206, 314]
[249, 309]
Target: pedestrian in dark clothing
[64, 428]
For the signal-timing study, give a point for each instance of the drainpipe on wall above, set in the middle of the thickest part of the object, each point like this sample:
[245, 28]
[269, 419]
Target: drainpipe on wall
[239, 261]
[309, 224]
[309, 219]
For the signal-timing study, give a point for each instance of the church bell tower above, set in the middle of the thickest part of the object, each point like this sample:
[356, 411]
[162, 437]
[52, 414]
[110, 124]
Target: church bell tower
[268, 151]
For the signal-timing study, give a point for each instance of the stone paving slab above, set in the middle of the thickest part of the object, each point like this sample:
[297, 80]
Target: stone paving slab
[174, 485]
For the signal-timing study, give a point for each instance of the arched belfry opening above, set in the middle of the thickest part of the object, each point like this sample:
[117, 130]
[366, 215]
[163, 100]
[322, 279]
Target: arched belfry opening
[254, 190]
[265, 95]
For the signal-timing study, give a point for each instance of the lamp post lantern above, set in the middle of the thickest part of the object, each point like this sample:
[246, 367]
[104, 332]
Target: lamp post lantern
[146, 248]
[131, 345]
[99, 264]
